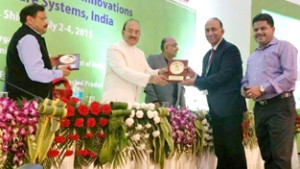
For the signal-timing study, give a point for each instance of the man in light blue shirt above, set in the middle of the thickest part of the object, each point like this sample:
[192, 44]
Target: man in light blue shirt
[28, 63]
[270, 80]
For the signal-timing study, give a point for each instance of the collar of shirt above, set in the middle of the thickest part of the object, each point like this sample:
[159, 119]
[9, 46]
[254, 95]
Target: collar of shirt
[216, 46]
[33, 30]
[272, 42]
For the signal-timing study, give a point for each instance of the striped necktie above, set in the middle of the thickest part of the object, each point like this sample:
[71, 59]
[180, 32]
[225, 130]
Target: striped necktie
[211, 56]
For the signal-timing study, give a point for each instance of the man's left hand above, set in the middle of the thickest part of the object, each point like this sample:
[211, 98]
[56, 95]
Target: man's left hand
[54, 60]
[253, 92]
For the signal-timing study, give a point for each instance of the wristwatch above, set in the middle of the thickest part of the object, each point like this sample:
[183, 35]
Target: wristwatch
[262, 89]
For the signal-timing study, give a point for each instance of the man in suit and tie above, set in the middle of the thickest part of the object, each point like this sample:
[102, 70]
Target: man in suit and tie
[221, 77]
[173, 93]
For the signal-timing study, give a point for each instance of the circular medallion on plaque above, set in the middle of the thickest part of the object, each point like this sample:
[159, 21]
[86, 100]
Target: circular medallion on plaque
[67, 59]
[176, 67]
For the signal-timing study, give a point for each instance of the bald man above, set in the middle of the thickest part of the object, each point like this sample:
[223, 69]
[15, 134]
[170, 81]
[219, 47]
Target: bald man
[173, 93]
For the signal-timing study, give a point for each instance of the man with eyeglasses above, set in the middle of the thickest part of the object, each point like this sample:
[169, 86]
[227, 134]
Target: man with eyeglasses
[28, 65]
[127, 70]
[173, 93]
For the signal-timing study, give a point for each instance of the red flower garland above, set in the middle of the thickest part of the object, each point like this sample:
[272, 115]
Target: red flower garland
[103, 121]
[101, 135]
[95, 108]
[74, 100]
[88, 135]
[69, 153]
[60, 139]
[71, 111]
[91, 122]
[79, 122]
[74, 137]
[65, 122]
[106, 109]
[92, 154]
[53, 153]
[83, 152]
[83, 110]
[65, 100]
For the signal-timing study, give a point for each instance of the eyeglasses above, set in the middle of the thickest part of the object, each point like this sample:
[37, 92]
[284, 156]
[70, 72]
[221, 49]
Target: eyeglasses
[131, 31]
[173, 45]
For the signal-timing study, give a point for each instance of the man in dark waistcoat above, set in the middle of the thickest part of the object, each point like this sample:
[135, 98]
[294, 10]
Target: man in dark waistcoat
[28, 65]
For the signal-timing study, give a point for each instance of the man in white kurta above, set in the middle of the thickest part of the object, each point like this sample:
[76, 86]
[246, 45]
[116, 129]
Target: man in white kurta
[127, 70]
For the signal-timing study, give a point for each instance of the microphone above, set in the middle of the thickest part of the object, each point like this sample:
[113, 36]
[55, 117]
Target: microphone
[23, 90]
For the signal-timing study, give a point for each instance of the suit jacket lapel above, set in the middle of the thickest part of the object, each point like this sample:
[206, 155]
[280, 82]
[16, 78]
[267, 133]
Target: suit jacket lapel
[216, 57]
[163, 61]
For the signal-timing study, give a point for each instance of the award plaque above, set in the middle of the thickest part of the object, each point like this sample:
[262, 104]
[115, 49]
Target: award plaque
[71, 59]
[177, 71]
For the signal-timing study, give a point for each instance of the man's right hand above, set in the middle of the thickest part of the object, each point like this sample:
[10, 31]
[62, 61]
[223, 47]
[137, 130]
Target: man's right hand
[158, 80]
[66, 70]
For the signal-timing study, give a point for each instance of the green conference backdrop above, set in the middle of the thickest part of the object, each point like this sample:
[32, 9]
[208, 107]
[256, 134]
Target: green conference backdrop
[88, 27]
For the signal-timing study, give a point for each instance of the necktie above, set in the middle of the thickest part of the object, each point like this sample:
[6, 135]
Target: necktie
[211, 56]
[210, 60]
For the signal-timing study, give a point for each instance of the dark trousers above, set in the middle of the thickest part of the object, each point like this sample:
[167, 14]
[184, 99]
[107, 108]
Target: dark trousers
[228, 136]
[274, 125]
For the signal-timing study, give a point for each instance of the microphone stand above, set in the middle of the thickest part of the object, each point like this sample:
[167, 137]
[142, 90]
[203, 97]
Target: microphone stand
[23, 90]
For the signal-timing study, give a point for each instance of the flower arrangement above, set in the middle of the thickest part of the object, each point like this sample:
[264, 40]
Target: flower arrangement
[140, 126]
[183, 127]
[17, 123]
[149, 133]
[297, 124]
[249, 137]
[207, 132]
[97, 134]
[81, 134]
